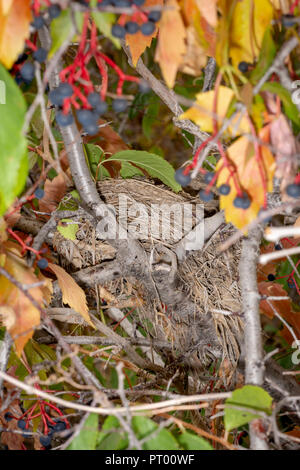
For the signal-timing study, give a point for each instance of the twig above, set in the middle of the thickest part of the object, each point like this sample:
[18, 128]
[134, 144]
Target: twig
[254, 373]
[5, 347]
[113, 411]
[265, 258]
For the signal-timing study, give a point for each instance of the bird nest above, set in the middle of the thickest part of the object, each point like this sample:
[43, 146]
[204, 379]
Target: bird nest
[208, 278]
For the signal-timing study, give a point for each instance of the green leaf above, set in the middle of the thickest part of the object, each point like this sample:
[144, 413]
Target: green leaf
[13, 149]
[61, 28]
[289, 107]
[104, 22]
[163, 440]
[155, 165]
[87, 438]
[190, 441]
[115, 440]
[95, 155]
[129, 171]
[251, 397]
[266, 56]
[68, 230]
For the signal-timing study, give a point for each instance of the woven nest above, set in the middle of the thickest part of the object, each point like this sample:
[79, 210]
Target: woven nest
[209, 278]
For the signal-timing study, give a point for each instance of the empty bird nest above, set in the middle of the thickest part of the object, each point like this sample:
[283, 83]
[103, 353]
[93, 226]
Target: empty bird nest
[195, 309]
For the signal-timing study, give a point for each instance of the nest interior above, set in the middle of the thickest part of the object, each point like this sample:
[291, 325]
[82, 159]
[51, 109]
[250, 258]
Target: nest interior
[207, 280]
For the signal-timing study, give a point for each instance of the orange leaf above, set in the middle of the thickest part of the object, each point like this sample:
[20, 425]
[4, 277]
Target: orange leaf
[138, 42]
[241, 154]
[72, 294]
[15, 17]
[171, 42]
[208, 9]
[17, 312]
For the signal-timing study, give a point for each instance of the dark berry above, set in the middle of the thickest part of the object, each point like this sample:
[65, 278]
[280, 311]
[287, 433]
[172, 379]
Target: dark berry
[101, 108]
[63, 119]
[86, 117]
[98, 104]
[104, 3]
[54, 11]
[293, 190]
[45, 440]
[131, 27]
[242, 202]
[39, 193]
[224, 189]
[91, 129]
[38, 22]
[278, 247]
[27, 71]
[182, 178]
[40, 55]
[154, 16]
[138, 3]
[119, 105]
[94, 99]
[208, 177]
[56, 98]
[65, 90]
[118, 31]
[148, 28]
[121, 3]
[42, 263]
[288, 21]
[21, 424]
[206, 196]
[60, 426]
[271, 277]
[144, 87]
[8, 417]
[243, 66]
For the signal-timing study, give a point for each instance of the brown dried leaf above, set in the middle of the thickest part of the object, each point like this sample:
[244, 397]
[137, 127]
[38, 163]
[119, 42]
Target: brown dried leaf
[17, 311]
[12, 440]
[195, 58]
[72, 293]
[54, 192]
[286, 147]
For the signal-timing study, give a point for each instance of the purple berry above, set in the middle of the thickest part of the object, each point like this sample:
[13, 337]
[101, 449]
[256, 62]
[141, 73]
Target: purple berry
[182, 178]
[119, 105]
[148, 28]
[38, 22]
[154, 16]
[271, 277]
[224, 189]
[42, 263]
[39, 193]
[54, 11]
[63, 119]
[293, 190]
[118, 31]
[27, 71]
[208, 177]
[40, 55]
[206, 196]
[131, 27]
[242, 202]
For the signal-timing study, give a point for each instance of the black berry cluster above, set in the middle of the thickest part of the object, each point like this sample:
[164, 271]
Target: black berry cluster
[293, 190]
[46, 440]
[147, 26]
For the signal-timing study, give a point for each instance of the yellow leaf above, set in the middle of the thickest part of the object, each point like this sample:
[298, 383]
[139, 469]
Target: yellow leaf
[72, 294]
[171, 42]
[242, 155]
[138, 42]
[17, 312]
[15, 17]
[202, 116]
[195, 58]
[241, 29]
